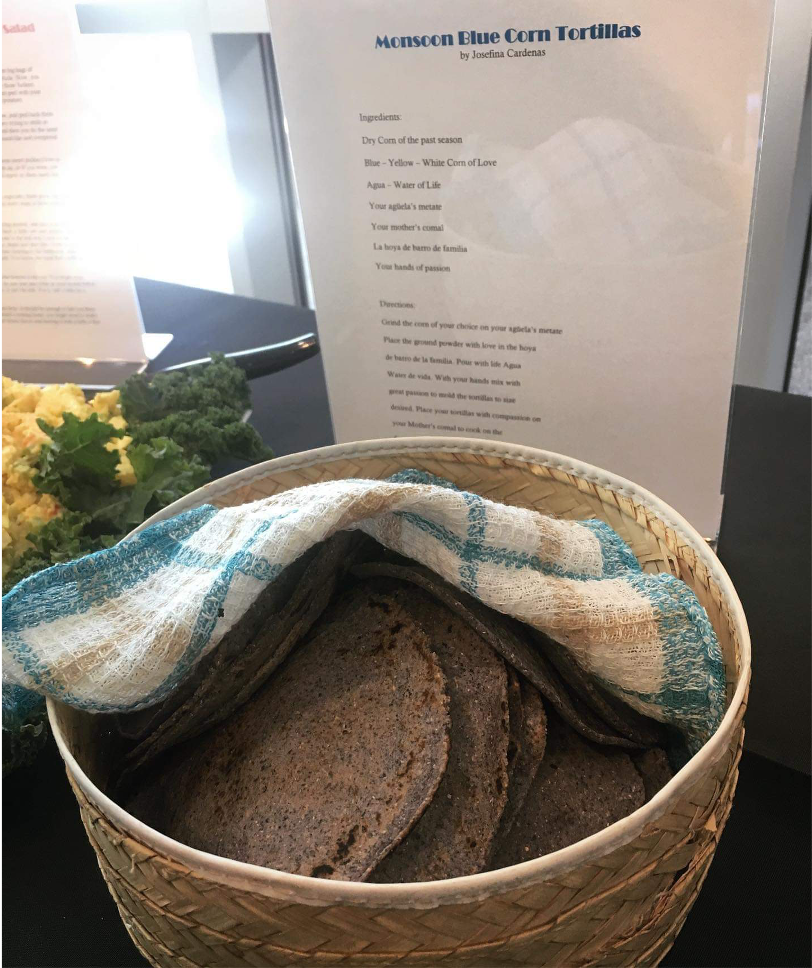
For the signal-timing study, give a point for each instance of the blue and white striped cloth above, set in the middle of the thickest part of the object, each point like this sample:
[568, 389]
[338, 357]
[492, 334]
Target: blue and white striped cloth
[118, 630]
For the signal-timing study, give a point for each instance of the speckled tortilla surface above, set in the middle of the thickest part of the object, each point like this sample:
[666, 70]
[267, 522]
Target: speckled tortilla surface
[654, 768]
[454, 835]
[330, 763]
[531, 741]
[579, 789]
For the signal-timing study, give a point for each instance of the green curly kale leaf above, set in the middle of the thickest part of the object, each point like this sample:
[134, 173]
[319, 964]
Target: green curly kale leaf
[76, 461]
[61, 539]
[201, 409]
[212, 434]
[96, 517]
[220, 383]
[163, 475]
[180, 423]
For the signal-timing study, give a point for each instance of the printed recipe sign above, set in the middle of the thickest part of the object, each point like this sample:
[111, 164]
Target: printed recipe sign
[529, 222]
[64, 296]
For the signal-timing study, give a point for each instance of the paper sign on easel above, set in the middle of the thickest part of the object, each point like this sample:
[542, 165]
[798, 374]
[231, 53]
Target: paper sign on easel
[529, 221]
[65, 295]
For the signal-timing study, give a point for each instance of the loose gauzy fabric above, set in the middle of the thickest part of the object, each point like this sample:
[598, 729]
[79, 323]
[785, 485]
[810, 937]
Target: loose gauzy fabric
[119, 629]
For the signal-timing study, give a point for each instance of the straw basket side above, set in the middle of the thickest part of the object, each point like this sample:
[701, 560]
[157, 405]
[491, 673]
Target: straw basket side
[617, 898]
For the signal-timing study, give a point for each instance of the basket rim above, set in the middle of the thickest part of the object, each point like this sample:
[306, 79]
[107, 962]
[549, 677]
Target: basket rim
[301, 889]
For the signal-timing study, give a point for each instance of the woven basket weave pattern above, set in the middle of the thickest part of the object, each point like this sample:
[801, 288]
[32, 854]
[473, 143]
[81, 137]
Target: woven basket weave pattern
[623, 908]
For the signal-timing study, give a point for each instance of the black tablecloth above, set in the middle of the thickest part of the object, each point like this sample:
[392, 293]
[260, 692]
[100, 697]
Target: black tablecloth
[754, 908]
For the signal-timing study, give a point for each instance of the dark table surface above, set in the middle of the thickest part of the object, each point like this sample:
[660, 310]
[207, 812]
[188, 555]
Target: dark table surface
[754, 908]
[290, 407]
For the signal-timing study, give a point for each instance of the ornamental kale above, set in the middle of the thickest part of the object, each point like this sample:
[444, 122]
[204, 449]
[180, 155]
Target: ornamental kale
[180, 424]
[200, 408]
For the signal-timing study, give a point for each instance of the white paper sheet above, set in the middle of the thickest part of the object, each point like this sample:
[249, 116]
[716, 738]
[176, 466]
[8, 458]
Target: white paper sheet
[65, 294]
[529, 221]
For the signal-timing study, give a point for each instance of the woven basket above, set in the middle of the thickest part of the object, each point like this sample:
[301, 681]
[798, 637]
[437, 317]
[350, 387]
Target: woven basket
[618, 897]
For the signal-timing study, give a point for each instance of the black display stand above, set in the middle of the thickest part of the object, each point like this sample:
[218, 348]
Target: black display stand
[764, 543]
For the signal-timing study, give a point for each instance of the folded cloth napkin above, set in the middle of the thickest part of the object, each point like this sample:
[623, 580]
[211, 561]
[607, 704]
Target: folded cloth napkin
[119, 629]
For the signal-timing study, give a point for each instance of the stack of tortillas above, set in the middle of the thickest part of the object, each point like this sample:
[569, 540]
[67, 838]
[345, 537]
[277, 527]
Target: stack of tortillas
[368, 721]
